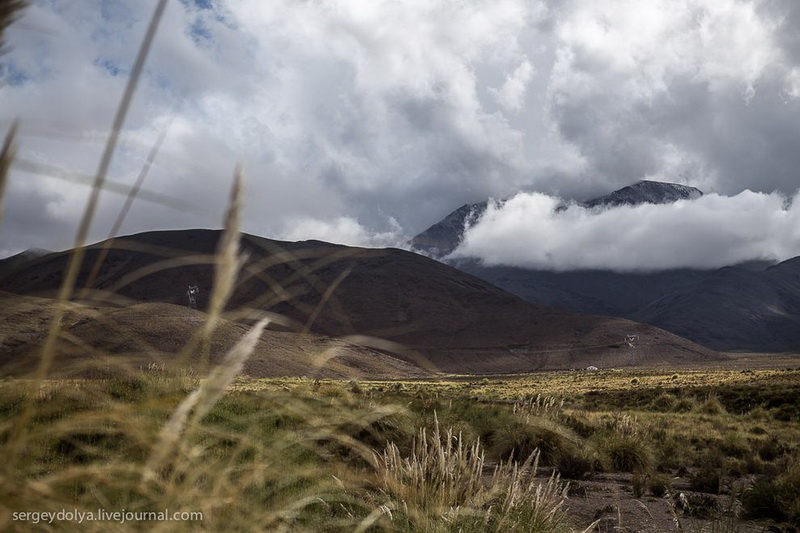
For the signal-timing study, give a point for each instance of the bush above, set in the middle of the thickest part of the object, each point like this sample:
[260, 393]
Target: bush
[761, 501]
[787, 413]
[639, 484]
[707, 479]
[712, 406]
[734, 444]
[575, 466]
[789, 493]
[627, 453]
[670, 452]
[702, 506]
[685, 405]
[521, 440]
[664, 403]
[778, 499]
[660, 485]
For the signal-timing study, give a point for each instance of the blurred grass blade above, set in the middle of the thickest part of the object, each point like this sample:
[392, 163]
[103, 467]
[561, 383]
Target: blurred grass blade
[227, 263]
[76, 259]
[6, 157]
[18, 440]
[9, 12]
[52, 171]
[126, 207]
[200, 401]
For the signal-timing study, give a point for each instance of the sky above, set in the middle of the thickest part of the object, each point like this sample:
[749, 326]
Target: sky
[364, 122]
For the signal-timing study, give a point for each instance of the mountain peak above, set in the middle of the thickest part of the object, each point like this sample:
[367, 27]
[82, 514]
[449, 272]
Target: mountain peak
[646, 192]
[443, 237]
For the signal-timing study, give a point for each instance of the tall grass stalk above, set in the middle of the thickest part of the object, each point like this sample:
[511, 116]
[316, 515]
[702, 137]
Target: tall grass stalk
[6, 157]
[115, 228]
[9, 11]
[442, 486]
[73, 267]
[227, 264]
[200, 401]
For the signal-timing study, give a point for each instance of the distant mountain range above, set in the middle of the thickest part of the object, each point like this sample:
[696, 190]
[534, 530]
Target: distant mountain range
[442, 238]
[752, 307]
[437, 316]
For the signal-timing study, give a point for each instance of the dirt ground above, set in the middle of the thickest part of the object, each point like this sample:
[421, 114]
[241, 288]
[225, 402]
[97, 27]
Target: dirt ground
[608, 500]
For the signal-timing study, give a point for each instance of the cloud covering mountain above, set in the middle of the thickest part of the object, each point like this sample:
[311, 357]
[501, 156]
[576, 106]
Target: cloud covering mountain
[361, 121]
[712, 231]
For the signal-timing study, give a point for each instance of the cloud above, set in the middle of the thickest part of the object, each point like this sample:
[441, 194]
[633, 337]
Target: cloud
[343, 230]
[696, 89]
[709, 232]
[512, 94]
[367, 111]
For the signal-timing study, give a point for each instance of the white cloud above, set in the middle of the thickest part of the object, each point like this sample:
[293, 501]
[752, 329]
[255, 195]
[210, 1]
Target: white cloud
[512, 94]
[344, 230]
[709, 232]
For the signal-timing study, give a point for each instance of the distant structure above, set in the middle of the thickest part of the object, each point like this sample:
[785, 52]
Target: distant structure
[192, 294]
[591, 368]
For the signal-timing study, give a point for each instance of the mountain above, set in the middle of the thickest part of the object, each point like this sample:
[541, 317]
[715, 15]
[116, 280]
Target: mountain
[431, 313]
[645, 192]
[754, 306]
[734, 309]
[442, 238]
[22, 258]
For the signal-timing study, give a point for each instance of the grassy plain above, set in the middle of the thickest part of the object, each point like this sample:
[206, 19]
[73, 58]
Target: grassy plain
[653, 450]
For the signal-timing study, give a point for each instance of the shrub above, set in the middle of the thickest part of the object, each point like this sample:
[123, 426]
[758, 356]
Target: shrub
[575, 465]
[355, 387]
[778, 499]
[761, 501]
[664, 403]
[703, 506]
[787, 413]
[707, 479]
[789, 493]
[685, 405]
[639, 484]
[627, 453]
[734, 444]
[660, 485]
[521, 439]
[712, 406]
[759, 413]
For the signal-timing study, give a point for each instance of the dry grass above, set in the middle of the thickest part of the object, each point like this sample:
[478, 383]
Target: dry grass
[441, 486]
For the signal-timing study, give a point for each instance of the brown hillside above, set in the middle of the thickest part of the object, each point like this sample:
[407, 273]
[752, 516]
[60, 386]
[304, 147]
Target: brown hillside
[154, 333]
[457, 322]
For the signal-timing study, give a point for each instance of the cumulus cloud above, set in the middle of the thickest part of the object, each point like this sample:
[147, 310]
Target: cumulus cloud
[531, 231]
[365, 111]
